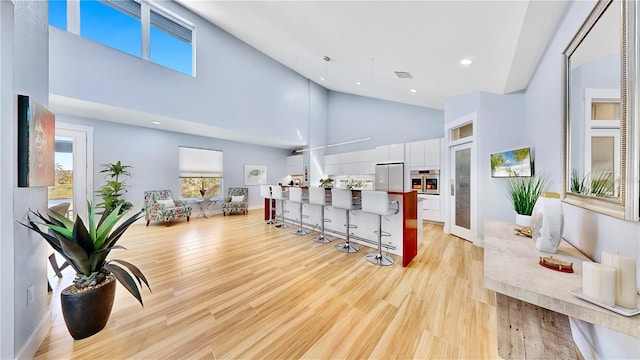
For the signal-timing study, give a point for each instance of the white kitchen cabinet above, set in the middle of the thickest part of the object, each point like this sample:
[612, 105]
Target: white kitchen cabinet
[367, 155]
[432, 153]
[431, 207]
[349, 157]
[391, 153]
[295, 165]
[333, 159]
[333, 169]
[366, 167]
[416, 153]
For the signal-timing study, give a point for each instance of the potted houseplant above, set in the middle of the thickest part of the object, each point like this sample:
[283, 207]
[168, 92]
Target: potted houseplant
[523, 192]
[326, 183]
[86, 304]
[114, 188]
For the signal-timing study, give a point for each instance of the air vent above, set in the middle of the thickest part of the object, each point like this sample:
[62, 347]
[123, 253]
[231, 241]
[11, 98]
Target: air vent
[404, 74]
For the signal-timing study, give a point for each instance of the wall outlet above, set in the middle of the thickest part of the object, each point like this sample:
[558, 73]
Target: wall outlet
[30, 295]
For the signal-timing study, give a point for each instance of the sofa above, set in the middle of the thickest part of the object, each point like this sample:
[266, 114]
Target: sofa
[160, 206]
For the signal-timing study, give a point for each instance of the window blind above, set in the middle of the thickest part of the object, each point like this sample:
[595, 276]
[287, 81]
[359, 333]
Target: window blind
[194, 162]
[171, 27]
[128, 7]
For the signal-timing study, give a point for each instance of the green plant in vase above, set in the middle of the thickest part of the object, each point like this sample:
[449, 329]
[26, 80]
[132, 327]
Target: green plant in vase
[325, 183]
[113, 190]
[523, 192]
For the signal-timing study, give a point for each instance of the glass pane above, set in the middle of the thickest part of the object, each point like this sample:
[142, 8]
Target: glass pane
[602, 166]
[58, 13]
[605, 111]
[169, 51]
[110, 27]
[62, 191]
[463, 188]
[462, 132]
[196, 187]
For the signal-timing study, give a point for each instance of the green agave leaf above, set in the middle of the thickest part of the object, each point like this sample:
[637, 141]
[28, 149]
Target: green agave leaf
[82, 237]
[106, 224]
[77, 255]
[134, 270]
[117, 233]
[92, 225]
[100, 256]
[126, 280]
[63, 220]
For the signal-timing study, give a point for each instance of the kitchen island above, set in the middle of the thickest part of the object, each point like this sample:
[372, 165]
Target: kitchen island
[405, 227]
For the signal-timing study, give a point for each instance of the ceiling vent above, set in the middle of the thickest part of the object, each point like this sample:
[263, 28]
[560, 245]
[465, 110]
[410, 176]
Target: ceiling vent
[404, 74]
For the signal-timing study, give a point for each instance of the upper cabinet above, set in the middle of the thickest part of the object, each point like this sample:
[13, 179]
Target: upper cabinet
[391, 153]
[295, 165]
[425, 153]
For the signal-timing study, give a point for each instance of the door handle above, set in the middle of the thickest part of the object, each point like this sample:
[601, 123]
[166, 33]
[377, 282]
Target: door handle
[453, 188]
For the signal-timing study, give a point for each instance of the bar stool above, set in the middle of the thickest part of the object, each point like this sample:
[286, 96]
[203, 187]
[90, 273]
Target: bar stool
[295, 195]
[278, 194]
[377, 202]
[265, 192]
[342, 199]
[317, 196]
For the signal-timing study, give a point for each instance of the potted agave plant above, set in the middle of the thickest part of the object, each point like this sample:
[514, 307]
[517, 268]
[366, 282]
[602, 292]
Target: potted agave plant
[87, 303]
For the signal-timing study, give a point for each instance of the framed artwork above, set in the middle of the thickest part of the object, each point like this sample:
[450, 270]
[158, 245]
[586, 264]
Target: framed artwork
[36, 144]
[255, 174]
[513, 163]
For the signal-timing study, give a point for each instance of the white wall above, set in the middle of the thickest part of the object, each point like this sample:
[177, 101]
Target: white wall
[589, 231]
[318, 119]
[237, 87]
[26, 69]
[153, 155]
[352, 117]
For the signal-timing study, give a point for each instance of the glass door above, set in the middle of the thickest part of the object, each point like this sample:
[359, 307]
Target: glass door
[61, 193]
[461, 191]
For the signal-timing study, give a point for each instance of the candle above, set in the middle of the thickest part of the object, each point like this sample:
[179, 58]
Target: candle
[625, 278]
[599, 282]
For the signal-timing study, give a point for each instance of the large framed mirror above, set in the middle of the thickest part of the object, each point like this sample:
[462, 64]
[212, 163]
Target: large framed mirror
[602, 156]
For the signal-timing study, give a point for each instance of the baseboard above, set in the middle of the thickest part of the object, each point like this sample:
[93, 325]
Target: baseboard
[29, 349]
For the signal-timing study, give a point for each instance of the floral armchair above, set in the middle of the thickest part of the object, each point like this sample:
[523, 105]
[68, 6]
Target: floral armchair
[236, 201]
[159, 206]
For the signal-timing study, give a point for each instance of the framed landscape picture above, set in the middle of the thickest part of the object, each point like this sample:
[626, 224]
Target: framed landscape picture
[36, 144]
[513, 163]
[255, 175]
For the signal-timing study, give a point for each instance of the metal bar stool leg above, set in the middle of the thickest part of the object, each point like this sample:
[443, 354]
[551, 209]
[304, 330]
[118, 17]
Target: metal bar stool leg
[322, 238]
[347, 247]
[270, 221]
[300, 230]
[379, 258]
[284, 224]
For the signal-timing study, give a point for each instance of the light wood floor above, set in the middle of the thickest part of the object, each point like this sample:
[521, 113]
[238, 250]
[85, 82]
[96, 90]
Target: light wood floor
[233, 287]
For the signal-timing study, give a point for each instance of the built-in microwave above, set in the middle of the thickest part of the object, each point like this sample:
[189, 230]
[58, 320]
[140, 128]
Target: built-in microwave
[426, 181]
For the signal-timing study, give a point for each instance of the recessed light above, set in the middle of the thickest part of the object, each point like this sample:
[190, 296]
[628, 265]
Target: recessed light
[466, 61]
[413, 90]
[155, 123]
[358, 83]
[321, 78]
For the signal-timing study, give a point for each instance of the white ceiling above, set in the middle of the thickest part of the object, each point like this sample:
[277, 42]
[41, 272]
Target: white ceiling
[369, 40]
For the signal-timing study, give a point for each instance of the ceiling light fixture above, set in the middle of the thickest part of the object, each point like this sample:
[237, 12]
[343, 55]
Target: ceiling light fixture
[466, 61]
[358, 83]
[413, 90]
[326, 65]
[155, 123]
[332, 145]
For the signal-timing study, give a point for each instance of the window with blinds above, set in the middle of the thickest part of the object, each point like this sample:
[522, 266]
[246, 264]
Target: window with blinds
[199, 170]
[138, 27]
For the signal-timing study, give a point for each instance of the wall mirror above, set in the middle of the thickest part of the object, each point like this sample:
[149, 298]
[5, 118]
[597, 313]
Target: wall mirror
[600, 115]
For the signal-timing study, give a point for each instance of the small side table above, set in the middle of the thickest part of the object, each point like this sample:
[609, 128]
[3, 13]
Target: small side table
[206, 204]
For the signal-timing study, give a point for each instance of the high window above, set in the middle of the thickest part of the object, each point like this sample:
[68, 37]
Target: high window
[199, 170]
[138, 27]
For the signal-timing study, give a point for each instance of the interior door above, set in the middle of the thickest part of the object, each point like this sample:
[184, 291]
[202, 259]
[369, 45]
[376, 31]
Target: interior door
[461, 191]
[73, 156]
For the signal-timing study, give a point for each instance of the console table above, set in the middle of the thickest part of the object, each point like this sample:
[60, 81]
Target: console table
[511, 269]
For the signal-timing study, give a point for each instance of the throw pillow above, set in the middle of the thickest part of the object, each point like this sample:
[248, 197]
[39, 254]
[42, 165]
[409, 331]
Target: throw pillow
[166, 203]
[239, 198]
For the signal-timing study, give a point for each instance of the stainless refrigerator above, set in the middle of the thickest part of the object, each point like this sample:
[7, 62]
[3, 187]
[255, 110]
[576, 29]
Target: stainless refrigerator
[390, 177]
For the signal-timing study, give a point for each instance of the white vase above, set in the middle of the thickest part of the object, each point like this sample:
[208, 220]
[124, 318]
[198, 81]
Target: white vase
[547, 222]
[523, 220]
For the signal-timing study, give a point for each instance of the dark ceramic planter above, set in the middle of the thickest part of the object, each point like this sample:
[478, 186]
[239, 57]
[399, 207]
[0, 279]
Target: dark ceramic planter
[87, 313]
